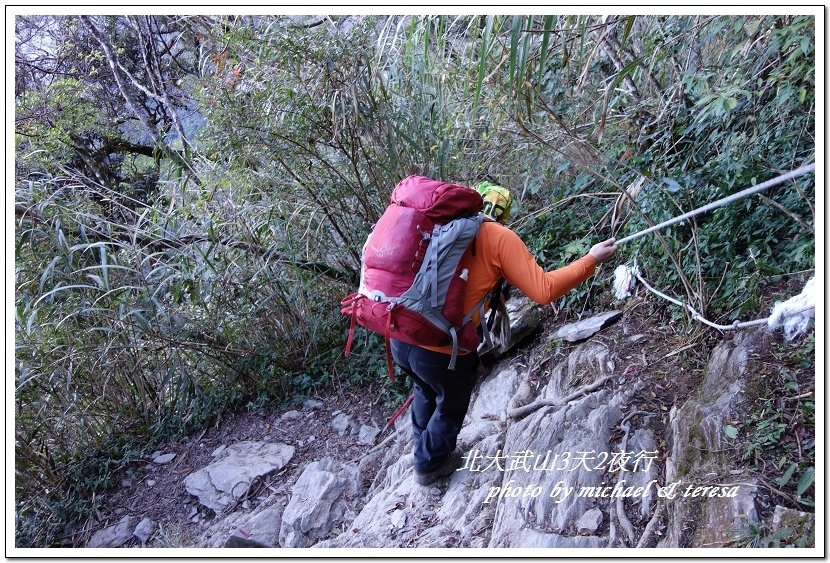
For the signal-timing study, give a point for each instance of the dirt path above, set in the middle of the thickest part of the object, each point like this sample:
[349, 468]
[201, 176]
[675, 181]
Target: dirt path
[156, 491]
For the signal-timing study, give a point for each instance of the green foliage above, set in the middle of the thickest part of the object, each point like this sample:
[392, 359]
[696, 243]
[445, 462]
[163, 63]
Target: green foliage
[767, 427]
[757, 535]
[777, 437]
[729, 136]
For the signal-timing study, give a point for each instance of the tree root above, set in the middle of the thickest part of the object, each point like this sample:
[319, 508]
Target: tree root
[625, 523]
[618, 507]
[612, 528]
[652, 525]
[622, 517]
[521, 412]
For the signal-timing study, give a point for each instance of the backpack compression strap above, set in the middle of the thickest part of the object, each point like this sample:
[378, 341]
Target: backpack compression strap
[388, 339]
[349, 341]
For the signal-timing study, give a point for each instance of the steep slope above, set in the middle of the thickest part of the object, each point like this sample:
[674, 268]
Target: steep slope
[622, 439]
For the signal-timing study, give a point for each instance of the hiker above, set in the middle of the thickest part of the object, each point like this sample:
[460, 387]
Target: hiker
[442, 394]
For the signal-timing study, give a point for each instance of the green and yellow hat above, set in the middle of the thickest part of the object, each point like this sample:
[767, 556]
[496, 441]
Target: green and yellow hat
[497, 201]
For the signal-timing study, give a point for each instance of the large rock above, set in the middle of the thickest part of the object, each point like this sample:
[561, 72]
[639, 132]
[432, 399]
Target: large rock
[643, 440]
[700, 454]
[585, 328]
[113, 536]
[566, 444]
[487, 413]
[228, 479]
[516, 456]
[525, 316]
[456, 511]
[239, 524]
[319, 501]
[723, 518]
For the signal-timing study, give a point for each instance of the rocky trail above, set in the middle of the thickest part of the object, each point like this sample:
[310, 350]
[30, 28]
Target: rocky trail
[610, 432]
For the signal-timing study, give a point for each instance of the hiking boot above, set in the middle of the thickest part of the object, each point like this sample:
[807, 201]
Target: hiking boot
[449, 466]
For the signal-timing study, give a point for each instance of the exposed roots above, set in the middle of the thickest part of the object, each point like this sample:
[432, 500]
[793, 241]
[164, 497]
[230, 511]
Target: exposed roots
[521, 412]
[652, 524]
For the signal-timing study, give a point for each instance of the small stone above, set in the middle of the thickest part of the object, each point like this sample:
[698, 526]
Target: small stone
[151, 482]
[589, 522]
[290, 415]
[310, 439]
[637, 338]
[398, 518]
[219, 450]
[126, 483]
[342, 423]
[311, 404]
[144, 530]
[367, 435]
[164, 458]
[800, 522]
[193, 512]
[114, 536]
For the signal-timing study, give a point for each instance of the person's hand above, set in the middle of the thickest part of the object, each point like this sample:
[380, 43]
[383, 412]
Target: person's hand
[603, 251]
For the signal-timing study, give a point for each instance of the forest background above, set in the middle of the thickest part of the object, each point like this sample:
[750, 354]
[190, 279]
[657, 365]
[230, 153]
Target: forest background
[192, 194]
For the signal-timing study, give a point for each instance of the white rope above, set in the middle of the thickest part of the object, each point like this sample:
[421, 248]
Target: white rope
[721, 202]
[624, 280]
[737, 325]
[794, 314]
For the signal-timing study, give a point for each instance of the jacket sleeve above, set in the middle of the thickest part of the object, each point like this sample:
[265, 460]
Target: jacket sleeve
[521, 270]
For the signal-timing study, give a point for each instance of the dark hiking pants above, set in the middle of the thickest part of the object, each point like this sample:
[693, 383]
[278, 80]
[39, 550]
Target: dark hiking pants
[442, 397]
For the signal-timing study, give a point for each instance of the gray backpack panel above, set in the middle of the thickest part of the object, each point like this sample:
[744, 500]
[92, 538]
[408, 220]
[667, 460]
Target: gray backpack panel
[446, 247]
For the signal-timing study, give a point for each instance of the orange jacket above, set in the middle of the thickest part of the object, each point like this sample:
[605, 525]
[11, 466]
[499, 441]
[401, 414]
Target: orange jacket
[500, 253]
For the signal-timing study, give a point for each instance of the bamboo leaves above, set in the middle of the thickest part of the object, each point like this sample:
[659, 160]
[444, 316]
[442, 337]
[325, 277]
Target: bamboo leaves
[514, 46]
[484, 51]
[543, 51]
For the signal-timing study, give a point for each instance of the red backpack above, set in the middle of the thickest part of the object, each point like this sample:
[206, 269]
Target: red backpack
[411, 282]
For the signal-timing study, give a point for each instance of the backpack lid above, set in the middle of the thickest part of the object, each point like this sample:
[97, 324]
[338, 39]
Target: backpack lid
[439, 201]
